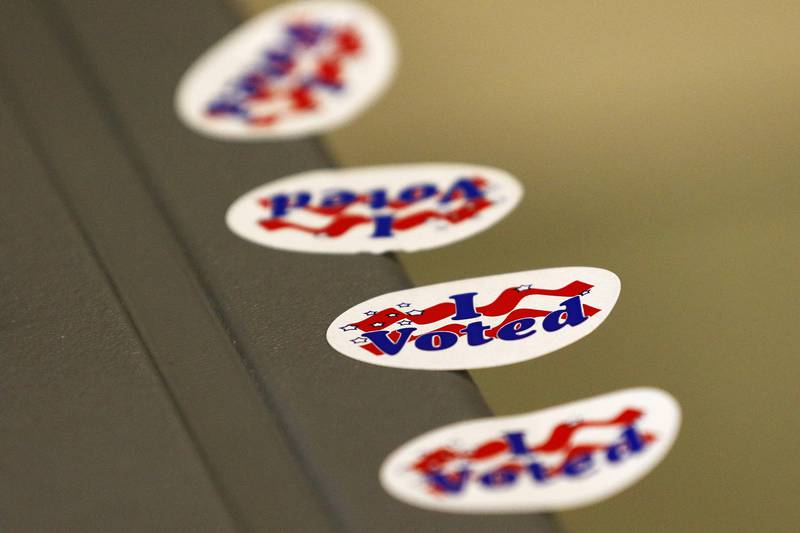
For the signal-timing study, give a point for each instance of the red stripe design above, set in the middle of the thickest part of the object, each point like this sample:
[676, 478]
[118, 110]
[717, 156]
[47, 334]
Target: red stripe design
[341, 224]
[559, 441]
[506, 302]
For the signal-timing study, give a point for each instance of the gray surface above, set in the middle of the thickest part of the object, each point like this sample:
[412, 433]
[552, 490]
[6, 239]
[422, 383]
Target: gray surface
[201, 369]
[90, 439]
[288, 433]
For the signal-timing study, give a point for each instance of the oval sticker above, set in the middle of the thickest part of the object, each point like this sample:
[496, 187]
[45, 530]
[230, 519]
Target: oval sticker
[295, 70]
[558, 458]
[479, 322]
[375, 209]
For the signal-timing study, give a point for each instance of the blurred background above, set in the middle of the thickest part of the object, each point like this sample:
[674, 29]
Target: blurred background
[657, 140]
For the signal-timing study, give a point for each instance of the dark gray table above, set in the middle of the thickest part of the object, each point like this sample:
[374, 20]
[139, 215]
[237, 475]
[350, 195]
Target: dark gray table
[159, 373]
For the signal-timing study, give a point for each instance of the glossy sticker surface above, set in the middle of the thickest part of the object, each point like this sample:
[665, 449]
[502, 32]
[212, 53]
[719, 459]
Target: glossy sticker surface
[295, 70]
[558, 458]
[476, 323]
[375, 209]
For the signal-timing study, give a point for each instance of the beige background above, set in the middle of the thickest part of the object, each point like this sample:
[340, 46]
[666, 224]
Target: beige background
[660, 141]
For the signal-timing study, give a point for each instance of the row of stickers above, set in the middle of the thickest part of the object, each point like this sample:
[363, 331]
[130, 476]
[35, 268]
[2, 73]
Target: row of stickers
[308, 67]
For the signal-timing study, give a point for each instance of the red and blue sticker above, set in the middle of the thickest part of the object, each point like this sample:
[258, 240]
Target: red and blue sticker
[476, 323]
[375, 209]
[558, 458]
[295, 70]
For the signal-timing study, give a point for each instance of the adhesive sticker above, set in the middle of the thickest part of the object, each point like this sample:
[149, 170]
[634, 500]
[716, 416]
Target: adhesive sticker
[375, 209]
[295, 70]
[558, 458]
[479, 322]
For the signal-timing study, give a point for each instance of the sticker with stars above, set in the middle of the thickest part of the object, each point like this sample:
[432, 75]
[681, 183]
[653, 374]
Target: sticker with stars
[558, 458]
[477, 323]
[295, 70]
[408, 207]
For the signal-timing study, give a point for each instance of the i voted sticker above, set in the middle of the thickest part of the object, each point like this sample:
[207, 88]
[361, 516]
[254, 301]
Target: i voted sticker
[479, 322]
[375, 209]
[558, 458]
[295, 70]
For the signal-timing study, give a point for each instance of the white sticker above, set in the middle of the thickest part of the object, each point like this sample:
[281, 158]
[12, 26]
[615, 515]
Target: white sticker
[375, 209]
[295, 70]
[479, 322]
[558, 458]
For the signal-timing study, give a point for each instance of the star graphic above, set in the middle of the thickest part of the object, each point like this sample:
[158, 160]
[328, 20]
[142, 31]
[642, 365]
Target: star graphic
[369, 313]
[391, 314]
[359, 340]
[414, 312]
[404, 322]
[404, 305]
[524, 287]
[377, 324]
[348, 327]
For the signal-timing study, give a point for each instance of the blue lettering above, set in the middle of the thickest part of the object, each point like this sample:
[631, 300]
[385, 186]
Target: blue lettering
[465, 306]
[578, 465]
[453, 483]
[282, 202]
[514, 330]
[436, 340]
[383, 226]
[338, 199]
[416, 193]
[474, 332]
[502, 476]
[539, 472]
[378, 199]
[516, 443]
[466, 187]
[385, 344]
[573, 309]
[631, 443]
